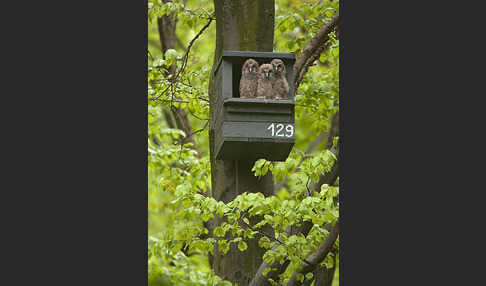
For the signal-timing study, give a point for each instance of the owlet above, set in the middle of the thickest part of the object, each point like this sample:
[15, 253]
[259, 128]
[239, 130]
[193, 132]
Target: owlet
[249, 78]
[280, 85]
[264, 89]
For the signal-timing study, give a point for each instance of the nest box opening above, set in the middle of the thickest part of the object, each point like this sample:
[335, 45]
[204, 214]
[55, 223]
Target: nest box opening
[238, 65]
[238, 58]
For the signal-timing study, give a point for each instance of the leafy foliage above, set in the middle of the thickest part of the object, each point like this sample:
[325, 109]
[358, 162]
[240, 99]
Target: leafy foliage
[179, 174]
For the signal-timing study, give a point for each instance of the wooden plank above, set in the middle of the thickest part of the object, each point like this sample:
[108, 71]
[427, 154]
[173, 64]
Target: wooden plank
[227, 82]
[259, 101]
[272, 130]
[241, 150]
[246, 109]
[259, 117]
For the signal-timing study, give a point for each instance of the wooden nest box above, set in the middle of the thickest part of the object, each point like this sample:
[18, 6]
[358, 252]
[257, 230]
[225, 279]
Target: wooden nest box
[252, 128]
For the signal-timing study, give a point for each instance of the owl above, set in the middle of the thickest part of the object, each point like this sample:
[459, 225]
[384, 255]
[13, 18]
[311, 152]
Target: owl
[249, 78]
[280, 85]
[264, 89]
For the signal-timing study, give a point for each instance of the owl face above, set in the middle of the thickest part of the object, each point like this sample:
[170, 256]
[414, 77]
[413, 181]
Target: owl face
[266, 70]
[250, 67]
[278, 66]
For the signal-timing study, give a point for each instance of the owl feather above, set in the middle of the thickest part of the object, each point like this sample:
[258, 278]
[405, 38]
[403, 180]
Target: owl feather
[249, 78]
[280, 86]
[264, 89]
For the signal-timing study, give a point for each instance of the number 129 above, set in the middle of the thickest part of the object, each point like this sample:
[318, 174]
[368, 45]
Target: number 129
[278, 128]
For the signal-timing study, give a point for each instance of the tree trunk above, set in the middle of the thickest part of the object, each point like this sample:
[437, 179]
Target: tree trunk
[244, 26]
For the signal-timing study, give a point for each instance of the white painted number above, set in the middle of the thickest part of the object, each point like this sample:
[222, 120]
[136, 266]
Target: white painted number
[272, 127]
[281, 126]
[289, 130]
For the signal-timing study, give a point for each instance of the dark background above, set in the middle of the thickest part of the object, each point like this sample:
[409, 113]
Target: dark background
[74, 179]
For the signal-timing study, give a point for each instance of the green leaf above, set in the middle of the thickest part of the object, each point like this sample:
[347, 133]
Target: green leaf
[265, 169]
[300, 277]
[272, 282]
[223, 246]
[158, 63]
[171, 54]
[335, 142]
[242, 246]
[206, 216]
[265, 272]
[264, 242]
[219, 231]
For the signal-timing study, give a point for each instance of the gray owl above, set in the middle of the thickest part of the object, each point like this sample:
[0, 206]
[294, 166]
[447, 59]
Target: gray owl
[264, 89]
[249, 78]
[280, 85]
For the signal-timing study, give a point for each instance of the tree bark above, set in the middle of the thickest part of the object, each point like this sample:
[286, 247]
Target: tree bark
[324, 276]
[244, 26]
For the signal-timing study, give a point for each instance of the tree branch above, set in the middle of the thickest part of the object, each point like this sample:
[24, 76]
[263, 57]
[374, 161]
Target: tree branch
[259, 279]
[168, 118]
[333, 130]
[317, 257]
[312, 50]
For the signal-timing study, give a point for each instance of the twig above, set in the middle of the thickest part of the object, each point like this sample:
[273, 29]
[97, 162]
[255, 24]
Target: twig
[205, 126]
[309, 193]
[270, 237]
[197, 116]
[174, 79]
[150, 54]
[174, 100]
[260, 231]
